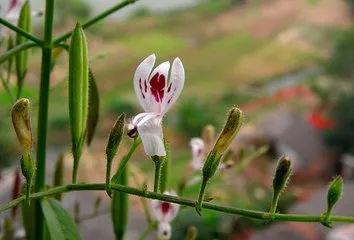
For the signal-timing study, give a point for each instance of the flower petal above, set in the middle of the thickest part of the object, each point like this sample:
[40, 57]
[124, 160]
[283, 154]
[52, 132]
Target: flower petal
[150, 132]
[157, 86]
[164, 231]
[141, 77]
[164, 211]
[175, 86]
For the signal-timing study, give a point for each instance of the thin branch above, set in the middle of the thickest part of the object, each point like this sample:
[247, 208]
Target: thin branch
[97, 18]
[15, 50]
[265, 216]
[21, 31]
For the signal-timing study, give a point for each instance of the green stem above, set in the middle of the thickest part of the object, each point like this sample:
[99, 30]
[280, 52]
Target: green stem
[21, 31]
[199, 203]
[125, 159]
[158, 166]
[274, 204]
[97, 18]
[4, 57]
[43, 112]
[178, 200]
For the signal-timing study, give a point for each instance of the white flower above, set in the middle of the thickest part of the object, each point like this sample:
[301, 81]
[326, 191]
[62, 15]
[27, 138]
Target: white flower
[164, 213]
[198, 153]
[156, 95]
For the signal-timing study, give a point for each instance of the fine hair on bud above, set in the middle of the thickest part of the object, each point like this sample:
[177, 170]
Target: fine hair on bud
[282, 174]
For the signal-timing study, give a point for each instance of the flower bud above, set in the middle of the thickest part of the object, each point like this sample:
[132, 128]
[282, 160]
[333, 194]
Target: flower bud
[334, 193]
[22, 124]
[231, 128]
[114, 140]
[281, 178]
[21, 121]
[282, 174]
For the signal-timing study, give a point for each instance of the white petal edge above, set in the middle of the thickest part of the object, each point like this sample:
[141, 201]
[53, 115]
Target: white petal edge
[143, 72]
[177, 78]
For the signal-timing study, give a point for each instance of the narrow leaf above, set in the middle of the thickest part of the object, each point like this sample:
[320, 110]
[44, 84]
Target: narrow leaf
[59, 174]
[119, 208]
[78, 93]
[24, 22]
[94, 108]
[59, 223]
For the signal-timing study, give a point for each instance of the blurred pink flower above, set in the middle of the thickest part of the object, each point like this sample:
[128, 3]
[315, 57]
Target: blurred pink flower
[198, 153]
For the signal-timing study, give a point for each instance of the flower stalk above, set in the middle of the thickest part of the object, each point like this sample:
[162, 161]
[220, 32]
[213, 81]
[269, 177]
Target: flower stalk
[159, 161]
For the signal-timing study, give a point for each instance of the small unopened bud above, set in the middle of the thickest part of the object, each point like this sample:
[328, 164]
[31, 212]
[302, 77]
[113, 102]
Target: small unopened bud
[231, 128]
[280, 180]
[114, 140]
[21, 121]
[192, 233]
[22, 124]
[334, 194]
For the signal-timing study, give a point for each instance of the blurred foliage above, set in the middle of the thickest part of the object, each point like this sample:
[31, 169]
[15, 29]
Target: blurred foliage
[341, 138]
[141, 12]
[192, 116]
[117, 105]
[79, 8]
[236, 97]
[341, 62]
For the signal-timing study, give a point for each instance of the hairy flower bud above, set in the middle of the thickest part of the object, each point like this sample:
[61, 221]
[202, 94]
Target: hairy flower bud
[231, 128]
[281, 178]
[21, 121]
[334, 194]
[22, 124]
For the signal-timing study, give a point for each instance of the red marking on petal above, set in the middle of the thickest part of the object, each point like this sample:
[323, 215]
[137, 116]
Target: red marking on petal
[165, 207]
[157, 86]
[200, 152]
[169, 87]
[141, 89]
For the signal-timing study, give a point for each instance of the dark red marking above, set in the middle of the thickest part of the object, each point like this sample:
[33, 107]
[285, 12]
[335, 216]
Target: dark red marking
[145, 86]
[141, 89]
[169, 87]
[165, 207]
[157, 85]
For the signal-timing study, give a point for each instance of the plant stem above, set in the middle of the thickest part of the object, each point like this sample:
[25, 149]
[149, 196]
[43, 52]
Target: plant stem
[21, 31]
[43, 112]
[97, 18]
[15, 50]
[158, 165]
[181, 201]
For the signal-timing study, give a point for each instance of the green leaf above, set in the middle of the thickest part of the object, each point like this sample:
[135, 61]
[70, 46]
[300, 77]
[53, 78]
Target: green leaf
[119, 208]
[94, 108]
[59, 223]
[24, 22]
[78, 93]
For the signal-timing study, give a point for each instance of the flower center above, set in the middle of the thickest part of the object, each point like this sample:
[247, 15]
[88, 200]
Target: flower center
[165, 207]
[157, 84]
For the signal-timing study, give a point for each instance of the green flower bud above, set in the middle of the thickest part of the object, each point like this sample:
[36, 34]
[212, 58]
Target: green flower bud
[280, 180]
[114, 139]
[334, 194]
[227, 135]
[21, 121]
[78, 93]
